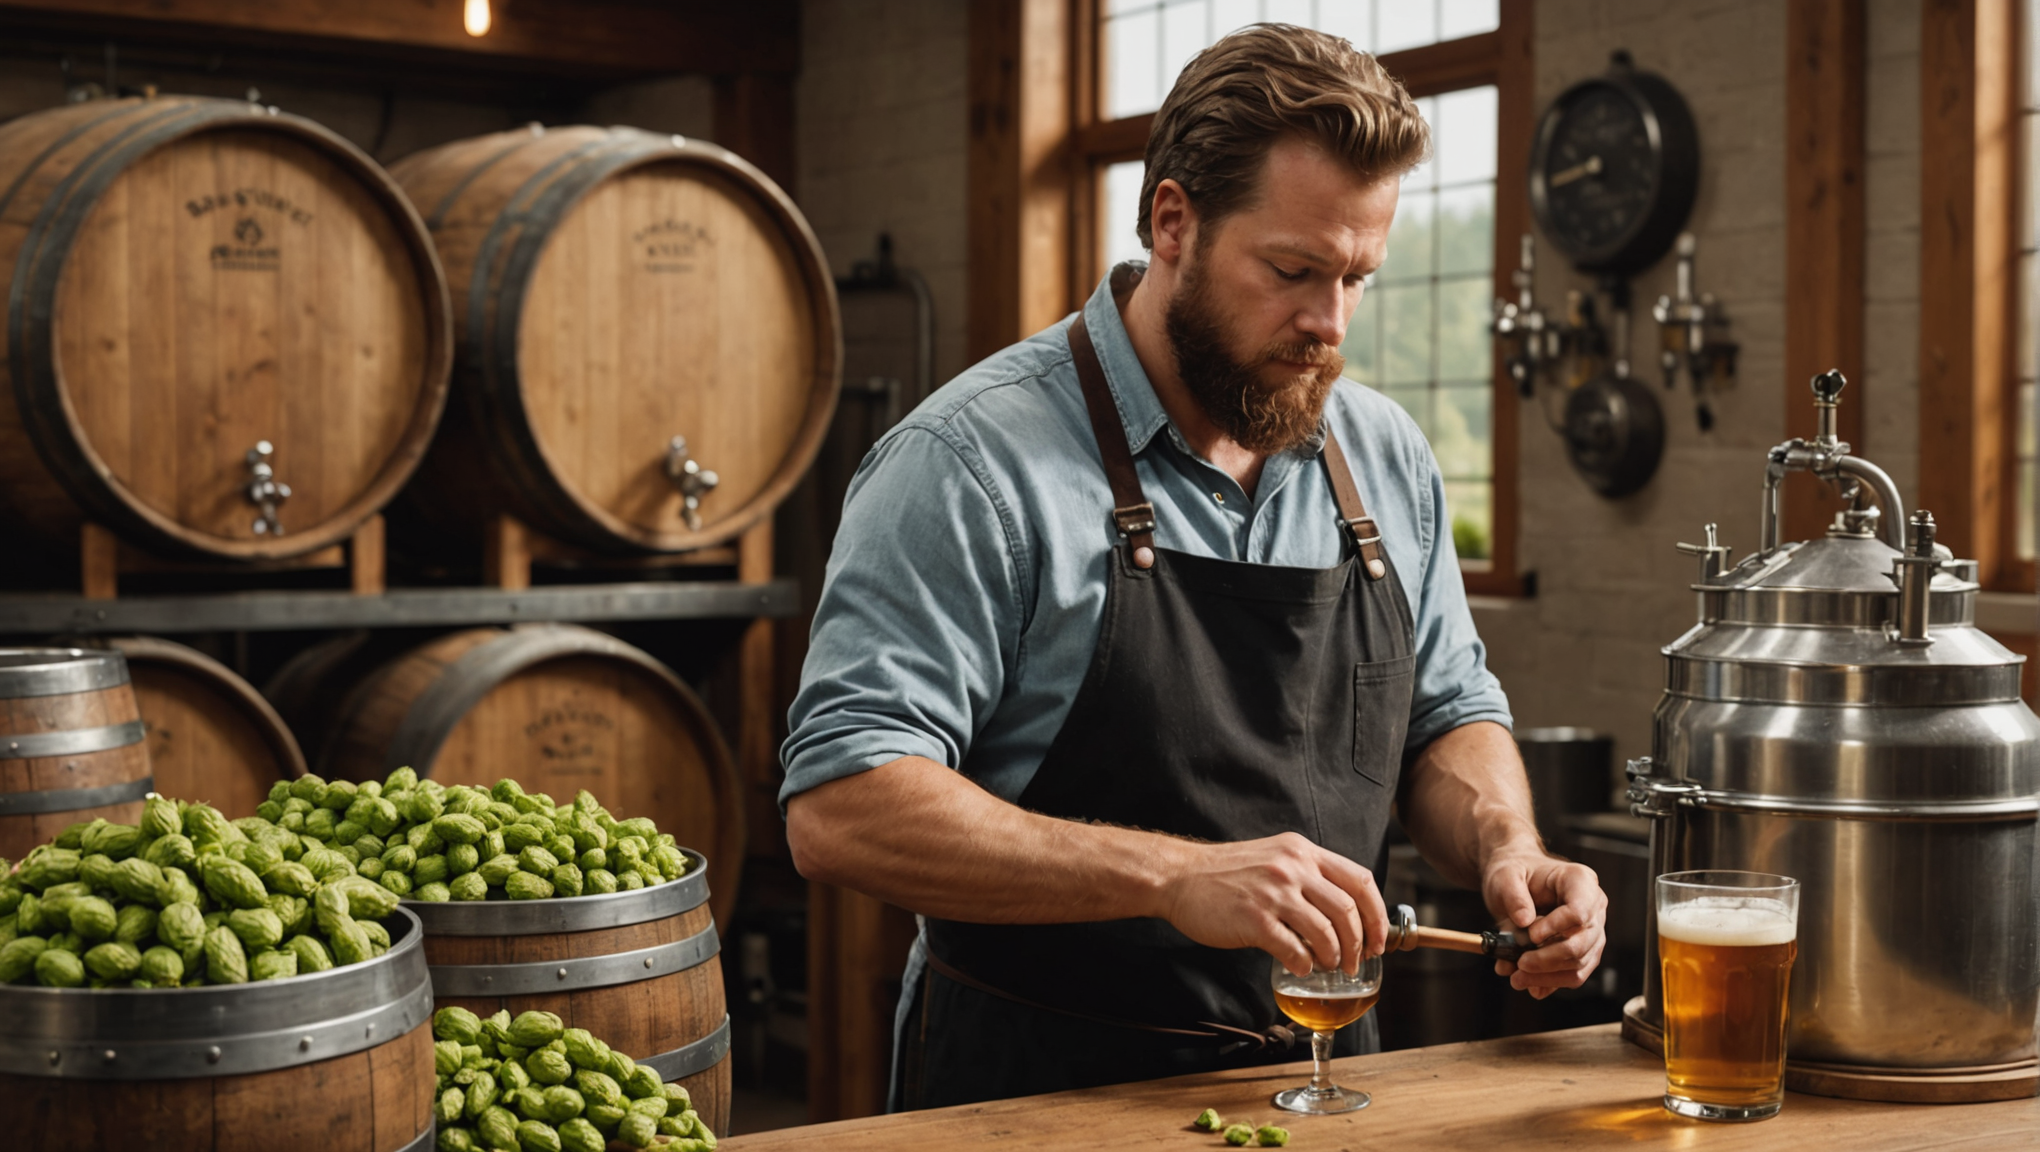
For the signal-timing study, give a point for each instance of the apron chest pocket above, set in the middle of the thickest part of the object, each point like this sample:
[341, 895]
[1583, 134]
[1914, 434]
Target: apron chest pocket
[1381, 716]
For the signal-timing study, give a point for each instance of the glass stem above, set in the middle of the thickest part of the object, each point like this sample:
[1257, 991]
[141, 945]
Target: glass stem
[1321, 1064]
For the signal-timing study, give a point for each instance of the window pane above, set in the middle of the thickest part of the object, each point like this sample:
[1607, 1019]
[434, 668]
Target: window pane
[1473, 520]
[1186, 31]
[1463, 136]
[1458, 18]
[1416, 402]
[1132, 68]
[1466, 230]
[1461, 438]
[1406, 24]
[1425, 175]
[1464, 349]
[1233, 15]
[1362, 347]
[1122, 212]
[1288, 12]
[1412, 249]
[1353, 19]
[1406, 335]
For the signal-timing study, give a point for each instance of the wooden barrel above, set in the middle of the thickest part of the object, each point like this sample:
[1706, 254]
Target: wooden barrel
[617, 293]
[188, 279]
[71, 744]
[557, 707]
[338, 1060]
[638, 969]
[211, 735]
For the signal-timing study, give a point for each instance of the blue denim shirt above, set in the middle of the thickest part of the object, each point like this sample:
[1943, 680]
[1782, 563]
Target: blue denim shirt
[966, 589]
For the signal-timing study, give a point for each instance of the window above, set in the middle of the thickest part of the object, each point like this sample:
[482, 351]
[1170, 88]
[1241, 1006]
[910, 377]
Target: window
[1420, 334]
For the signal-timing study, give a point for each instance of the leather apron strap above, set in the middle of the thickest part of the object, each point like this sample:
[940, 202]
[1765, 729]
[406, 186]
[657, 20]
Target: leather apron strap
[1134, 515]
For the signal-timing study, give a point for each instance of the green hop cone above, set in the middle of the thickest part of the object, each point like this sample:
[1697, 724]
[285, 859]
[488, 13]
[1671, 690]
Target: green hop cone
[637, 1130]
[537, 1136]
[163, 965]
[326, 864]
[1269, 1136]
[584, 1049]
[172, 851]
[592, 859]
[97, 870]
[160, 817]
[138, 880]
[629, 881]
[337, 795]
[462, 859]
[231, 882]
[28, 914]
[519, 836]
[431, 869]
[433, 893]
[567, 880]
[1209, 1120]
[644, 1082]
[424, 840]
[397, 882]
[258, 928]
[181, 926]
[226, 961]
[366, 900]
[599, 881]
[605, 1117]
[670, 861]
[135, 923]
[349, 943]
[311, 954]
[481, 1093]
[577, 1135]
[291, 878]
[330, 908]
[456, 1024]
[535, 1029]
[497, 1128]
[401, 857]
[424, 806]
[294, 911]
[679, 1096]
[549, 1067]
[260, 858]
[276, 964]
[49, 866]
[17, 957]
[620, 1069]
[372, 867]
[563, 1103]
[525, 886]
[468, 886]
[452, 1103]
[403, 779]
[177, 888]
[445, 1057]
[378, 936]
[597, 1087]
[92, 917]
[497, 869]
[512, 1074]
[1238, 1135]
[56, 968]
[116, 840]
[459, 828]
[457, 1140]
[653, 1106]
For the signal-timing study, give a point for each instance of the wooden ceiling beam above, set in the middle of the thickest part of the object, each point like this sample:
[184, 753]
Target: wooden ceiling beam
[619, 39]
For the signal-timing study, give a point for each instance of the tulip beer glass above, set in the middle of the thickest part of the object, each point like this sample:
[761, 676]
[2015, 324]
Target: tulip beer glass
[1324, 1002]
[1727, 941]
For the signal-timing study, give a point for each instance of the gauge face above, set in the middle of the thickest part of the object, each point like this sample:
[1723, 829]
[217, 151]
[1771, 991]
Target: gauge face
[1614, 171]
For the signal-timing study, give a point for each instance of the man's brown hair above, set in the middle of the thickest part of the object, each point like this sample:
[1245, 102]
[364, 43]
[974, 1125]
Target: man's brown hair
[1264, 82]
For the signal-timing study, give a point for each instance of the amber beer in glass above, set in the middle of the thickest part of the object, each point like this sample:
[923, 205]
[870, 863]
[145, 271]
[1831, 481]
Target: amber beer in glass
[1324, 1001]
[1726, 941]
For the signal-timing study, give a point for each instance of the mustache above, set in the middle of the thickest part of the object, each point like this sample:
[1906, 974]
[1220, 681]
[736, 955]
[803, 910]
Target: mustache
[1314, 354]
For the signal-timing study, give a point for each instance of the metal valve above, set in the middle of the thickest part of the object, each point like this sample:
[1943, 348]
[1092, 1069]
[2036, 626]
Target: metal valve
[1686, 325]
[264, 490]
[693, 481]
[1713, 554]
[1521, 326]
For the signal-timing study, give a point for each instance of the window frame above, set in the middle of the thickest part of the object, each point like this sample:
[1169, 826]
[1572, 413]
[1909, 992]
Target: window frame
[1501, 58]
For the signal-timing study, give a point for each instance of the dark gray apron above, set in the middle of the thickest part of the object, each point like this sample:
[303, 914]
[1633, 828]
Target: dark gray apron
[1225, 701]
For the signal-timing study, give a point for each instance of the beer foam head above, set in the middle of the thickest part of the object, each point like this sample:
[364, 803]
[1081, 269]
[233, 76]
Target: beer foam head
[1719, 921]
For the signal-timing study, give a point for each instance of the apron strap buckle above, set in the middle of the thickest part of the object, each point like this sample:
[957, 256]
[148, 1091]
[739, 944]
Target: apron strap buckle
[1367, 540]
[1136, 520]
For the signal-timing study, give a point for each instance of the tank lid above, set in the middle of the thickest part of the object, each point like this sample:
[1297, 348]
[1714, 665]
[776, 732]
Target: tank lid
[1839, 581]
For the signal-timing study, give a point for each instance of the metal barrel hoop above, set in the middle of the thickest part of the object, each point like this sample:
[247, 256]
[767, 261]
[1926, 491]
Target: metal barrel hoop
[567, 913]
[695, 1058]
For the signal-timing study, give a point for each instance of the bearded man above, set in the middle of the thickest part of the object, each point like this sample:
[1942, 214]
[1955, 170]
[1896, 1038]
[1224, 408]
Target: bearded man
[1137, 635]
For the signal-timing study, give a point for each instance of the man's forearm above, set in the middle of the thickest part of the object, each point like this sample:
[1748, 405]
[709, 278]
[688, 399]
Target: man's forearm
[1468, 802]
[920, 835]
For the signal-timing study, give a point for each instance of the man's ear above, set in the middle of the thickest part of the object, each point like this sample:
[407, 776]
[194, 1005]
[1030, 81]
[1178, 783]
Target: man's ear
[1172, 222]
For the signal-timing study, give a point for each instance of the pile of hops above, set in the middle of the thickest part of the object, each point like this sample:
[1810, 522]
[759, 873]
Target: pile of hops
[187, 897]
[533, 1085]
[423, 840]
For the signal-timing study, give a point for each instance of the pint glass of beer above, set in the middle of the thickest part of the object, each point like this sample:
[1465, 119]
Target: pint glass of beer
[1727, 941]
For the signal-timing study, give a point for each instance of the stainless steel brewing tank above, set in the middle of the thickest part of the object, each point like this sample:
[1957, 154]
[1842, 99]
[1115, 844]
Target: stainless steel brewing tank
[1816, 725]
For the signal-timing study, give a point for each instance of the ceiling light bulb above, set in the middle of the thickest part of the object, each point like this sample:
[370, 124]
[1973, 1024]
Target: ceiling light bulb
[476, 17]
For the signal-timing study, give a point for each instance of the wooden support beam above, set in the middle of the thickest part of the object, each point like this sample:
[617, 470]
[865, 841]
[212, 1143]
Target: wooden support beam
[98, 562]
[366, 558]
[1019, 171]
[506, 553]
[1825, 56]
[857, 948]
[754, 118]
[619, 39]
[1968, 151]
[758, 719]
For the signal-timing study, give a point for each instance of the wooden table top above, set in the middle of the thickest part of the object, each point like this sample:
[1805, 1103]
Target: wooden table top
[1580, 1089]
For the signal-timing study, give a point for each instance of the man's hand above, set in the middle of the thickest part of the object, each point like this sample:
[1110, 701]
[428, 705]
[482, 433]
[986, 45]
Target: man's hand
[1300, 903]
[1516, 886]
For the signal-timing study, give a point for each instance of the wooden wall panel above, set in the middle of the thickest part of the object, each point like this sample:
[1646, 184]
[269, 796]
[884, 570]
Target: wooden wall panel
[1825, 50]
[1968, 122]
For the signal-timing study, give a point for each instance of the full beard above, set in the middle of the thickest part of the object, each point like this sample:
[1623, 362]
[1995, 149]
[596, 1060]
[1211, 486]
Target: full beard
[1263, 404]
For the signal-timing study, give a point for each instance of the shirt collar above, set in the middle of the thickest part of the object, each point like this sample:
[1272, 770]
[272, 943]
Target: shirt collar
[1140, 410]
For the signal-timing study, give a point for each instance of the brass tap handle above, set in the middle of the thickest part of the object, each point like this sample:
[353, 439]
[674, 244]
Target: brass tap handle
[1404, 935]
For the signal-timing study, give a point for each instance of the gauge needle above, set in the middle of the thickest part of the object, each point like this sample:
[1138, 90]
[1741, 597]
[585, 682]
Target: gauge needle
[1591, 166]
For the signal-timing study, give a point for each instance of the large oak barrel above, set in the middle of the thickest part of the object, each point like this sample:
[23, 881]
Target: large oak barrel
[557, 707]
[211, 735]
[638, 969]
[339, 1060]
[70, 744]
[187, 280]
[615, 290]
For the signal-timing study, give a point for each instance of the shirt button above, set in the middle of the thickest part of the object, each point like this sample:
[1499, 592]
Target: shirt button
[1218, 496]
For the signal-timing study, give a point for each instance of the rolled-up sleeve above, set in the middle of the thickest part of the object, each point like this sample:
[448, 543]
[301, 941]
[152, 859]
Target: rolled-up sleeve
[1454, 686]
[917, 627]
